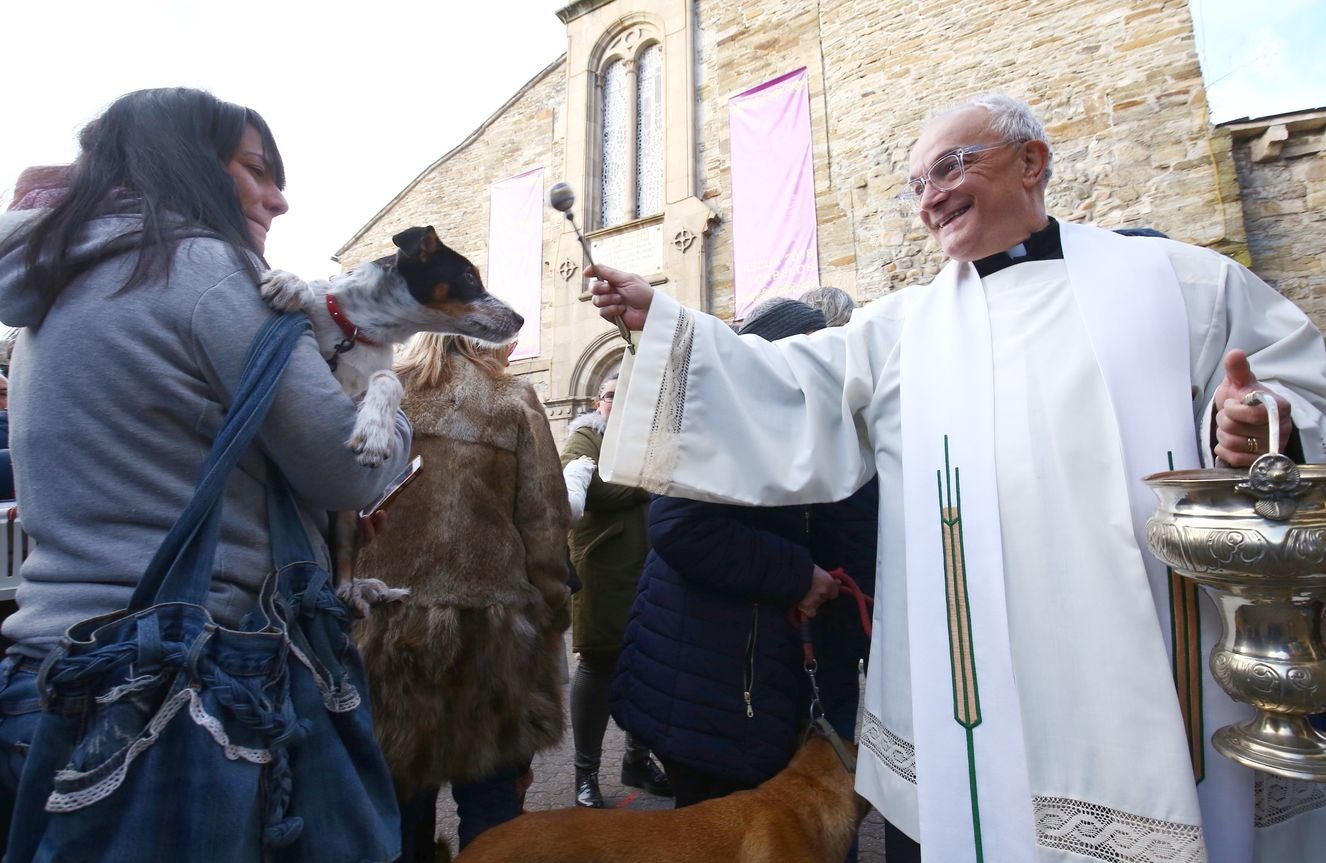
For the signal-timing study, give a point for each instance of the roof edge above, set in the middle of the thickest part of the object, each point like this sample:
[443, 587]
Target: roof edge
[1253, 124]
[469, 139]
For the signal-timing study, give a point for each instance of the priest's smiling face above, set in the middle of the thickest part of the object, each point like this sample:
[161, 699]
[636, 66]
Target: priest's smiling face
[1000, 200]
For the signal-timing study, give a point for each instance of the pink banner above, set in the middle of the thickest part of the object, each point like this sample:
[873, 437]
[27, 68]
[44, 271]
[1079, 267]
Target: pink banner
[515, 252]
[773, 192]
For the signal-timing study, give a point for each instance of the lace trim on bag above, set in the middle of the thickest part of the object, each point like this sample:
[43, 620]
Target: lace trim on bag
[665, 427]
[895, 753]
[104, 787]
[1279, 799]
[1102, 833]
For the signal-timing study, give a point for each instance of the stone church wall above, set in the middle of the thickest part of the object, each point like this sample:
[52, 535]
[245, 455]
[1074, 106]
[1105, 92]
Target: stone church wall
[1282, 169]
[1117, 84]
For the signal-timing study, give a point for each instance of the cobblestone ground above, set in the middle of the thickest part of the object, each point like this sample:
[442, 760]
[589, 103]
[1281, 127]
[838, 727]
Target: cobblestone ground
[554, 782]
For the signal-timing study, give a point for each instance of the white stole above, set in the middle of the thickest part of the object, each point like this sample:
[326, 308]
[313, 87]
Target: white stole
[975, 799]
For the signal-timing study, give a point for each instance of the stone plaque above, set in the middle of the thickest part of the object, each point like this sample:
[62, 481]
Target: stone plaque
[639, 250]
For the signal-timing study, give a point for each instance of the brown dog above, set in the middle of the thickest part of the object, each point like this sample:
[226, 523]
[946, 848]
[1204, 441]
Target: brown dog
[808, 812]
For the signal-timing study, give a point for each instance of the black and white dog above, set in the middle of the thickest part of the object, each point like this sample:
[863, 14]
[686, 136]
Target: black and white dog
[357, 318]
[360, 315]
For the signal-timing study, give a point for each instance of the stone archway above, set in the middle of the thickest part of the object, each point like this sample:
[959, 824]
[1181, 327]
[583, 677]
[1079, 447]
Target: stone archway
[600, 358]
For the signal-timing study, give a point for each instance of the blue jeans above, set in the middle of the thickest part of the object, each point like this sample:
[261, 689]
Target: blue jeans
[480, 805]
[485, 804]
[20, 711]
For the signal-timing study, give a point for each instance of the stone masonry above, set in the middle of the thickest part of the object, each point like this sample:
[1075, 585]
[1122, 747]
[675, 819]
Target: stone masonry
[1117, 84]
[1282, 171]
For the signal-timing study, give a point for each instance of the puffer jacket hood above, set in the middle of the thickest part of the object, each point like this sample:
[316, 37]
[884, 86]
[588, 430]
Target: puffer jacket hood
[20, 304]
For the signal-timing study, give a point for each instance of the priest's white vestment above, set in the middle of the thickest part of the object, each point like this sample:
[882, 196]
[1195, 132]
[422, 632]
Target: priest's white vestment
[1038, 689]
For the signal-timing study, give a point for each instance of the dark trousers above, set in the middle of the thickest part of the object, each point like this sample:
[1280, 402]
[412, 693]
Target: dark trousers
[480, 805]
[589, 711]
[691, 786]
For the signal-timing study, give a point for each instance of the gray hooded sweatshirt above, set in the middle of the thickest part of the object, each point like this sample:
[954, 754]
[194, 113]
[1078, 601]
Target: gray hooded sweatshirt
[115, 400]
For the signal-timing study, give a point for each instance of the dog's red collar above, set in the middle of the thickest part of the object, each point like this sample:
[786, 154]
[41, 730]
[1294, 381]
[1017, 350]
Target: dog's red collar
[351, 331]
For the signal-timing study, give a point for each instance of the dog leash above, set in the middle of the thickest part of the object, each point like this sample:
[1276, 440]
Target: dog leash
[811, 664]
[805, 624]
[822, 727]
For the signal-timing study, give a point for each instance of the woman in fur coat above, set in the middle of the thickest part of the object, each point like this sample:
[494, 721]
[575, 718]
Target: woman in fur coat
[466, 672]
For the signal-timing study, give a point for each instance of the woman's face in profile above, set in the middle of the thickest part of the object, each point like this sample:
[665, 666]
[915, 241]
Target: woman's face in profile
[259, 197]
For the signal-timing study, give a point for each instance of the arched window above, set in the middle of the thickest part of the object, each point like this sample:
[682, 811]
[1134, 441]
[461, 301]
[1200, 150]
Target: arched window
[613, 202]
[649, 133]
[631, 136]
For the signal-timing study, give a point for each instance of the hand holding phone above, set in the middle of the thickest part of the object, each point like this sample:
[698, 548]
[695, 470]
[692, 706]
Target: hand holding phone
[394, 487]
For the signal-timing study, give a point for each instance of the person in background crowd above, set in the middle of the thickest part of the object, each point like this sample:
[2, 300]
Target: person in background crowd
[466, 672]
[608, 547]
[710, 676]
[835, 303]
[844, 535]
[1021, 696]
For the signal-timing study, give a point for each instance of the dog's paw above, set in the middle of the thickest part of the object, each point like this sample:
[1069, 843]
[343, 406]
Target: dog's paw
[375, 426]
[285, 292]
[361, 594]
[373, 438]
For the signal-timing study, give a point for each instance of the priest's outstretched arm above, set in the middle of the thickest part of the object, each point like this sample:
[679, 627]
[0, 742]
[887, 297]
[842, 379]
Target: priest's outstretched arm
[706, 414]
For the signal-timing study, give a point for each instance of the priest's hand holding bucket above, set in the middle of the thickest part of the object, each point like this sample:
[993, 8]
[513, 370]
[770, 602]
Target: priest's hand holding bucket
[1241, 419]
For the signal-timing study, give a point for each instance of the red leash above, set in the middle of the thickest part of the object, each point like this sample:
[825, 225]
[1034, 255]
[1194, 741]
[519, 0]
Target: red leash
[845, 583]
[800, 620]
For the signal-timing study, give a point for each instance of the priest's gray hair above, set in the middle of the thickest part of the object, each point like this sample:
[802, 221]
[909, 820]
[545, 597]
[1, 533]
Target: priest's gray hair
[1011, 119]
[835, 303]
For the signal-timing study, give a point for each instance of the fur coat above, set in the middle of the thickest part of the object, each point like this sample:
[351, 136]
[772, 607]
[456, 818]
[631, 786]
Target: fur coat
[608, 545]
[466, 673]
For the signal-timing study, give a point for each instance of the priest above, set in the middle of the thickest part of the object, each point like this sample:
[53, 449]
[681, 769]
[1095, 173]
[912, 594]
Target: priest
[1027, 698]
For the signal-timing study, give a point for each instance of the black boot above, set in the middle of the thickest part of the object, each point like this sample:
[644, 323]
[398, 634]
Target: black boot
[587, 790]
[643, 773]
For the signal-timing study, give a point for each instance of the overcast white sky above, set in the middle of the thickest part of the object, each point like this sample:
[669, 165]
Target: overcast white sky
[364, 95]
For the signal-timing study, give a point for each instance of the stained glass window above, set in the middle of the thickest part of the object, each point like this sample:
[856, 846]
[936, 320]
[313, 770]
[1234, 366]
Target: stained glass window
[613, 176]
[649, 132]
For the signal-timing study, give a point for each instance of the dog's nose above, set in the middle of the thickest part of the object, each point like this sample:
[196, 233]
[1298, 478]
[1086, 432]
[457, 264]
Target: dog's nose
[520, 322]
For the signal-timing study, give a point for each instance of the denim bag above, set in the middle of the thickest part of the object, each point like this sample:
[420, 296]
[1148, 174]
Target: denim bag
[167, 736]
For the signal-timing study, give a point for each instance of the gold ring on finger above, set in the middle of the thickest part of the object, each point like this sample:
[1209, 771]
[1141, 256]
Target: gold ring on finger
[1252, 444]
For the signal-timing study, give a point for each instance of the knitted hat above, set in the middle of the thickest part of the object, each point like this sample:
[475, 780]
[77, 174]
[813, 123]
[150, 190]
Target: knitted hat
[781, 317]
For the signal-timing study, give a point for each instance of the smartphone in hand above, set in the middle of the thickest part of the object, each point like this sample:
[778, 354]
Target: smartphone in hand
[394, 487]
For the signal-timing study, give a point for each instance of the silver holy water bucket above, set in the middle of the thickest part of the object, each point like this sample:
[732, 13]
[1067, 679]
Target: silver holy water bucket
[1256, 541]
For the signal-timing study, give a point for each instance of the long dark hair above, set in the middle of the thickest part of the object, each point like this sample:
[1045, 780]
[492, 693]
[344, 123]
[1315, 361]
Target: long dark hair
[159, 154]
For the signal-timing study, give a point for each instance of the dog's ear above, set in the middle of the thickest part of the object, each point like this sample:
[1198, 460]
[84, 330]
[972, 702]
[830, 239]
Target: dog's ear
[419, 244]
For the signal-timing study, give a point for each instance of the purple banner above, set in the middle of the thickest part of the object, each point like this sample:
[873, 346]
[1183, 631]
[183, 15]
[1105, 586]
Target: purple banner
[515, 252]
[773, 192]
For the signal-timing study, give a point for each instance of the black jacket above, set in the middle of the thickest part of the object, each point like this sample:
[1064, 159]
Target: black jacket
[709, 629]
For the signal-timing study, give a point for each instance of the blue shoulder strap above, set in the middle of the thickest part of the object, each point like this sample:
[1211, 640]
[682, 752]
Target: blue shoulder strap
[181, 570]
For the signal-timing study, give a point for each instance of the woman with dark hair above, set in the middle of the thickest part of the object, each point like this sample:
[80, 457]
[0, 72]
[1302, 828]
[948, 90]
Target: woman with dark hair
[137, 295]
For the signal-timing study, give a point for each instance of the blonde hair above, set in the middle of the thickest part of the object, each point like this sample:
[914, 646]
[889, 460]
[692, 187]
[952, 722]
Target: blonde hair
[422, 362]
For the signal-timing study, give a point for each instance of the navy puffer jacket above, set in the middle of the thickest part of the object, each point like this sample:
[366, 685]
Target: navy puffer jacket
[709, 630]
